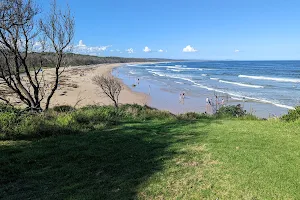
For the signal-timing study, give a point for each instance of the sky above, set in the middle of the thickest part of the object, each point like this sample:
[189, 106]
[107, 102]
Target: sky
[187, 29]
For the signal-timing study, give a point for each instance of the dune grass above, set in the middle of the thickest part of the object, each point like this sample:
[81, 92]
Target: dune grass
[141, 153]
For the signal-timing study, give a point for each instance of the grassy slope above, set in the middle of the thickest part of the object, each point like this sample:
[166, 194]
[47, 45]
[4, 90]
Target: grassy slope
[157, 159]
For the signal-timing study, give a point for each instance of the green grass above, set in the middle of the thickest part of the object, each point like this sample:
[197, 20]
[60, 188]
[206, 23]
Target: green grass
[140, 153]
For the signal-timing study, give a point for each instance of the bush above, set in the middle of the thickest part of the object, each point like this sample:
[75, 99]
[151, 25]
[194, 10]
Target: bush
[93, 115]
[192, 116]
[7, 108]
[138, 112]
[63, 108]
[231, 111]
[292, 115]
[8, 122]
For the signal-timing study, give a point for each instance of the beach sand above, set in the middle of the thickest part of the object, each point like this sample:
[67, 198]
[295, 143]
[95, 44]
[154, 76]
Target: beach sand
[86, 92]
[76, 87]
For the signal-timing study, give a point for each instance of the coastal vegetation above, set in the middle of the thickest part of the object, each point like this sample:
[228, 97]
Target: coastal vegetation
[124, 151]
[137, 152]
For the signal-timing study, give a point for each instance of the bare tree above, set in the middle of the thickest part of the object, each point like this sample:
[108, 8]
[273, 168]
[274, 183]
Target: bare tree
[110, 86]
[18, 35]
[59, 29]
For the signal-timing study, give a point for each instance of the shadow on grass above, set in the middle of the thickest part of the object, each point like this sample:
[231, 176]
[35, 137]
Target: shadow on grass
[109, 164]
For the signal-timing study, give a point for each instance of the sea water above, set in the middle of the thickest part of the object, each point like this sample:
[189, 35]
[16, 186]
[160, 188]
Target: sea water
[269, 82]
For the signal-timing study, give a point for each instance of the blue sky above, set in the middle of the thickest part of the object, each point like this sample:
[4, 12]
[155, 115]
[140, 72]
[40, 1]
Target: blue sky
[213, 29]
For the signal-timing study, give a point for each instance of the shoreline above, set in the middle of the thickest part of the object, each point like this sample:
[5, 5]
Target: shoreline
[166, 97]
[77, 89]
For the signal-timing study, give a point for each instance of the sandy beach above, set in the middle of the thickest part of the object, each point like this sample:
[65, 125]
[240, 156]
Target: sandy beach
[77, 89]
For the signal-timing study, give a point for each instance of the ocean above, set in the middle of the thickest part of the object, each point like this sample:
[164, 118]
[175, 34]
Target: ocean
[269, 82]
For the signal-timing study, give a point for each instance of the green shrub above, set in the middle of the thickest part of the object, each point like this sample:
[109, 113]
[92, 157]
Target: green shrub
[63, 108]
[93, 115]
[231, 111]
[138, 112]
[192, 116]
[8, 122]
[292, 115]
[7, 108]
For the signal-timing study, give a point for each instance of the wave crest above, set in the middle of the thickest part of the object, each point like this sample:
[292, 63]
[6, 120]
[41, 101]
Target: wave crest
[292, 80]
[241, 84]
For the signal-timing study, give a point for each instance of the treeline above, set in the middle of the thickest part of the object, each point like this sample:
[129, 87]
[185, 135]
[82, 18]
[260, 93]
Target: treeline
[72, 59]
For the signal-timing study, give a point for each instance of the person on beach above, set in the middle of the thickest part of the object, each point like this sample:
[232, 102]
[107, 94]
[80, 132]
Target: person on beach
[206, 105]
[180, 98]
[138, 81]
[149, 89]
[222, 102]
[212, 106]
[217, 102]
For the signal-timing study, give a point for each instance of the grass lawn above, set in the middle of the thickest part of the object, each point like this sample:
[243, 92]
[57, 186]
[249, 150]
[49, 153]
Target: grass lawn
[157, 159]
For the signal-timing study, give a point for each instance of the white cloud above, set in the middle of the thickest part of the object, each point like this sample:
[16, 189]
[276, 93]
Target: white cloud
[82, 48]
[147, 49]
[129, 50]
[160, 50]
[81, 44]
[189, 49]
[37, 46]
[111, 50]
[236, 51]
[118, 50]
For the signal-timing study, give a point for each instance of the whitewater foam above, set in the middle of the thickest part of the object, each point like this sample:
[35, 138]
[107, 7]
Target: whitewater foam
[241, 84]
[160, 72]
[179, 82]
[234, 95]
[271, 78]
[132, 72]
[176, 70]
